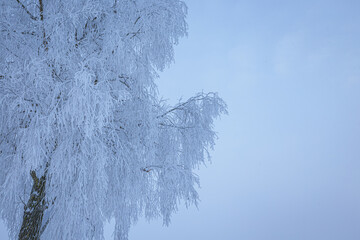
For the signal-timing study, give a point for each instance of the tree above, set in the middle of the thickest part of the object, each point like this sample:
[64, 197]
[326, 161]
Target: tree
[84, 135]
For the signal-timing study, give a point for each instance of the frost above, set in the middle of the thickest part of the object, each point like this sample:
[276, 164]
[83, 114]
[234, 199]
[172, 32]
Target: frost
[80, 109]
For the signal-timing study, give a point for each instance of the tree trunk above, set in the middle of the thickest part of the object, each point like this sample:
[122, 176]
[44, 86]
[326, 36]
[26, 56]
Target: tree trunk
[34, 210]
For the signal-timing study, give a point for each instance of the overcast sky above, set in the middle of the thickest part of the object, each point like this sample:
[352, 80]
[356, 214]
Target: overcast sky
[287, 161]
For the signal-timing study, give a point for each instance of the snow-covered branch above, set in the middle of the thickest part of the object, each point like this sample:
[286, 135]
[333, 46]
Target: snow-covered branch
[27, 11]
[80, 114]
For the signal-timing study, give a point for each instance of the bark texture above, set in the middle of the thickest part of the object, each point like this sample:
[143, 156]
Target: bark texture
[34, 210]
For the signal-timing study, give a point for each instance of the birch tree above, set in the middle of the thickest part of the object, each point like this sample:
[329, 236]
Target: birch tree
[84, 134]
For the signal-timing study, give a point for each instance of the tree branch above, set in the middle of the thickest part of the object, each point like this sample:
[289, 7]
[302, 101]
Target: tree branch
[124, 82]
[180, 105]
[137, 20]
[41, 9]
[11, 51]
[134, 34]
[26, 10]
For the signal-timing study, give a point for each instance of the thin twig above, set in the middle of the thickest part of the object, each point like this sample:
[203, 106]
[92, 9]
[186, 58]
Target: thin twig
[137, 20]
[178, 107]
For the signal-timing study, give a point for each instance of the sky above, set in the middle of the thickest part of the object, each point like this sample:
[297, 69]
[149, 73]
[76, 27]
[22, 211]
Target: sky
[287, 161]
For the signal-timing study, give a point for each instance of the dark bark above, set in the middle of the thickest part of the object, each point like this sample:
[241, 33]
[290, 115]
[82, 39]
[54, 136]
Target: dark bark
[36, 205]
[34, 210]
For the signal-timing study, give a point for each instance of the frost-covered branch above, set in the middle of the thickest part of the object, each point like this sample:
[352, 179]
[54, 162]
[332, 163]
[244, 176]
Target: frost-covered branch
[27, 11]
[80, 114]
[180, 106]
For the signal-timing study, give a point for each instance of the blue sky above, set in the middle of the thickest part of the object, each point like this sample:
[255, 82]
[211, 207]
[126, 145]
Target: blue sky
[287, 161]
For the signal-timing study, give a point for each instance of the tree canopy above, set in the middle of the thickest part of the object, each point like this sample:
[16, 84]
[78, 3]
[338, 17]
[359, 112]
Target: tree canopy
[80, 113]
